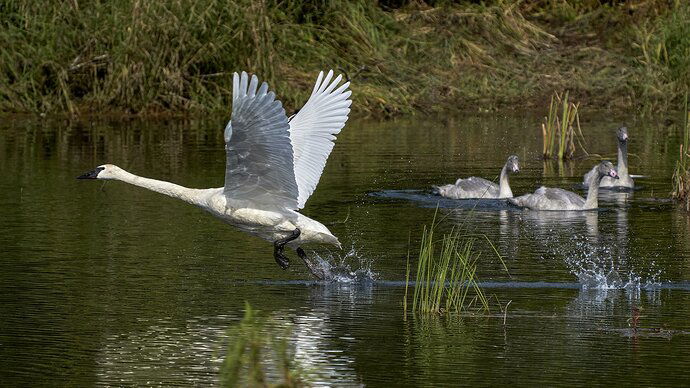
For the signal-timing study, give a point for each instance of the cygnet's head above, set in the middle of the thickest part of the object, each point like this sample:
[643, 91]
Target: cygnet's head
[606, 168]
[622, 134]
[512, 164]
[104, 171]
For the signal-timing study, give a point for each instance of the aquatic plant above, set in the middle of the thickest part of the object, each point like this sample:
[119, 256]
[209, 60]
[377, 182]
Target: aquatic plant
[248, 348]
[558, 133]
[446, 279]
[681, 174]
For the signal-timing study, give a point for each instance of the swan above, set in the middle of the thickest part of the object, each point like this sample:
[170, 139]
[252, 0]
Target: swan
[547, 198]
[273, 164]
[474, 187]
[625, 180]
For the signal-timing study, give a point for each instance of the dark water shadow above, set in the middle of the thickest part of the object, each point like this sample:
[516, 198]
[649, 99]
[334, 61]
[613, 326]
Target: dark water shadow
[426, 199]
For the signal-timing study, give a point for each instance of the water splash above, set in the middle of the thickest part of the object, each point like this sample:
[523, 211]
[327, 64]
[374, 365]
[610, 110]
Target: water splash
[609, 275]
[352, 267]
[601, 267]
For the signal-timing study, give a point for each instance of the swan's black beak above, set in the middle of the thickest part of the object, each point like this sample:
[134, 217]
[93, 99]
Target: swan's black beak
[91, 174]
[613, 174]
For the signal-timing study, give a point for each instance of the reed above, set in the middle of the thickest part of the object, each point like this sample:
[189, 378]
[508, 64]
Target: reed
[559, 128]
[446, 280]
[681, 174]
[250, 348]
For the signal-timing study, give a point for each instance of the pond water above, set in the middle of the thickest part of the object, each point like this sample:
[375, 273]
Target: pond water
[108, 284]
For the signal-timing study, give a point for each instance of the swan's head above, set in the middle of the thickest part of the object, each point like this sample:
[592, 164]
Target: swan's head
[513, 164]
[606, 169]
[622, 134]
[104, 171]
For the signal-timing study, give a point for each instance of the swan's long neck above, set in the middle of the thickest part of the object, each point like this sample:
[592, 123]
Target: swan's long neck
[622, 167]
[166, 188]
[592, 201]
[503, 185]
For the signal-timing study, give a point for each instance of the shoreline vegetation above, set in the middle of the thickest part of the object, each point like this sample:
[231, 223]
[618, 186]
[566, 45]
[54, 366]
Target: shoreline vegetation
[177, 57]
[681, 174]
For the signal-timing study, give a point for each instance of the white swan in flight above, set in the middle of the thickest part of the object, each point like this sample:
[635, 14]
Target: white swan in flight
[273, 164]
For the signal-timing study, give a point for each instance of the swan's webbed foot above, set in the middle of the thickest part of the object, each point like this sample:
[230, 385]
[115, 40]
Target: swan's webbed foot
[303, 255]
[281, 259]
[279, 245]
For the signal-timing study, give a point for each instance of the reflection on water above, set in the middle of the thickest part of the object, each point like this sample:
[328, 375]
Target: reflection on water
[168, 352]
[113, 285]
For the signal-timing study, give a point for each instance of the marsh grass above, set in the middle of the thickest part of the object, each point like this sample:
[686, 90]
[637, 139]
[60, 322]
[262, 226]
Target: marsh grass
[249, 349]
[560, 129]
[681, 174]
[446, 280]
[150, 57]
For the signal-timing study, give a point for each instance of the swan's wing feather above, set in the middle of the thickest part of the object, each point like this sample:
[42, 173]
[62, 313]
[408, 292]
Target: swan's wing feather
[476, 187]
[547, 198]
[259, 170]
[561, 198]
[565, 194]
[313, 130]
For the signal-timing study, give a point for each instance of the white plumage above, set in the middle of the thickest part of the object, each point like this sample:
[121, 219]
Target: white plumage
[313, 130]
[273, 165]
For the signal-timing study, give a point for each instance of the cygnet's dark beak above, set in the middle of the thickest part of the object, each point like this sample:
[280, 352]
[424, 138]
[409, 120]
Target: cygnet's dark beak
[516, 169]
[91, 174]
[613, 174]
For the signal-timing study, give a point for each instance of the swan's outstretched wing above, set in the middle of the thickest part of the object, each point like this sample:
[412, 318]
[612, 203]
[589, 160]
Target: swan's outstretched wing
[313, 130]
[259, 170]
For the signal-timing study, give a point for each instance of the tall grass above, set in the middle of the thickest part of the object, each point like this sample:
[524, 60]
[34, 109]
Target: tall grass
[446, 280]
[151, 56]
[148, 57]
[681, 174]
[558, 130]
[249, 349]
[663, 45]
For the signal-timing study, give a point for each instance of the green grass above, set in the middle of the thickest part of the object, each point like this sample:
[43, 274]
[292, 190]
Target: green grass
[559, 133]
[446, 280]
[172, 57]
[249, 349]
[681, 174]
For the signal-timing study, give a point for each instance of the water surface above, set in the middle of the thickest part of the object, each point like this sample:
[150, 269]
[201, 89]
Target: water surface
[112, 285]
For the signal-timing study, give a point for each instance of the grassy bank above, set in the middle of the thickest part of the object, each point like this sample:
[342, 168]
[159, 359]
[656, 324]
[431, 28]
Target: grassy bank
[146, 57]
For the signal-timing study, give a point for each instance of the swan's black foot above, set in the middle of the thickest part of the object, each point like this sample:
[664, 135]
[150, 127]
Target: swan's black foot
[303, 255]
[279, 245]
[281, 259]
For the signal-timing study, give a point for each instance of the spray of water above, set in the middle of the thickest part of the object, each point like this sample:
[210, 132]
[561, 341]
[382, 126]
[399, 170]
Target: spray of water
[351, 267]
[599, 266]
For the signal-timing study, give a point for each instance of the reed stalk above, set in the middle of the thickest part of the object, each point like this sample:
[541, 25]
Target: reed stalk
[681, 174]
[559, 133]
[446, 279]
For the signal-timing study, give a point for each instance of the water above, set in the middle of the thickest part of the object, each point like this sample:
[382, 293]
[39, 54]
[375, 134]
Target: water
[107, 284]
